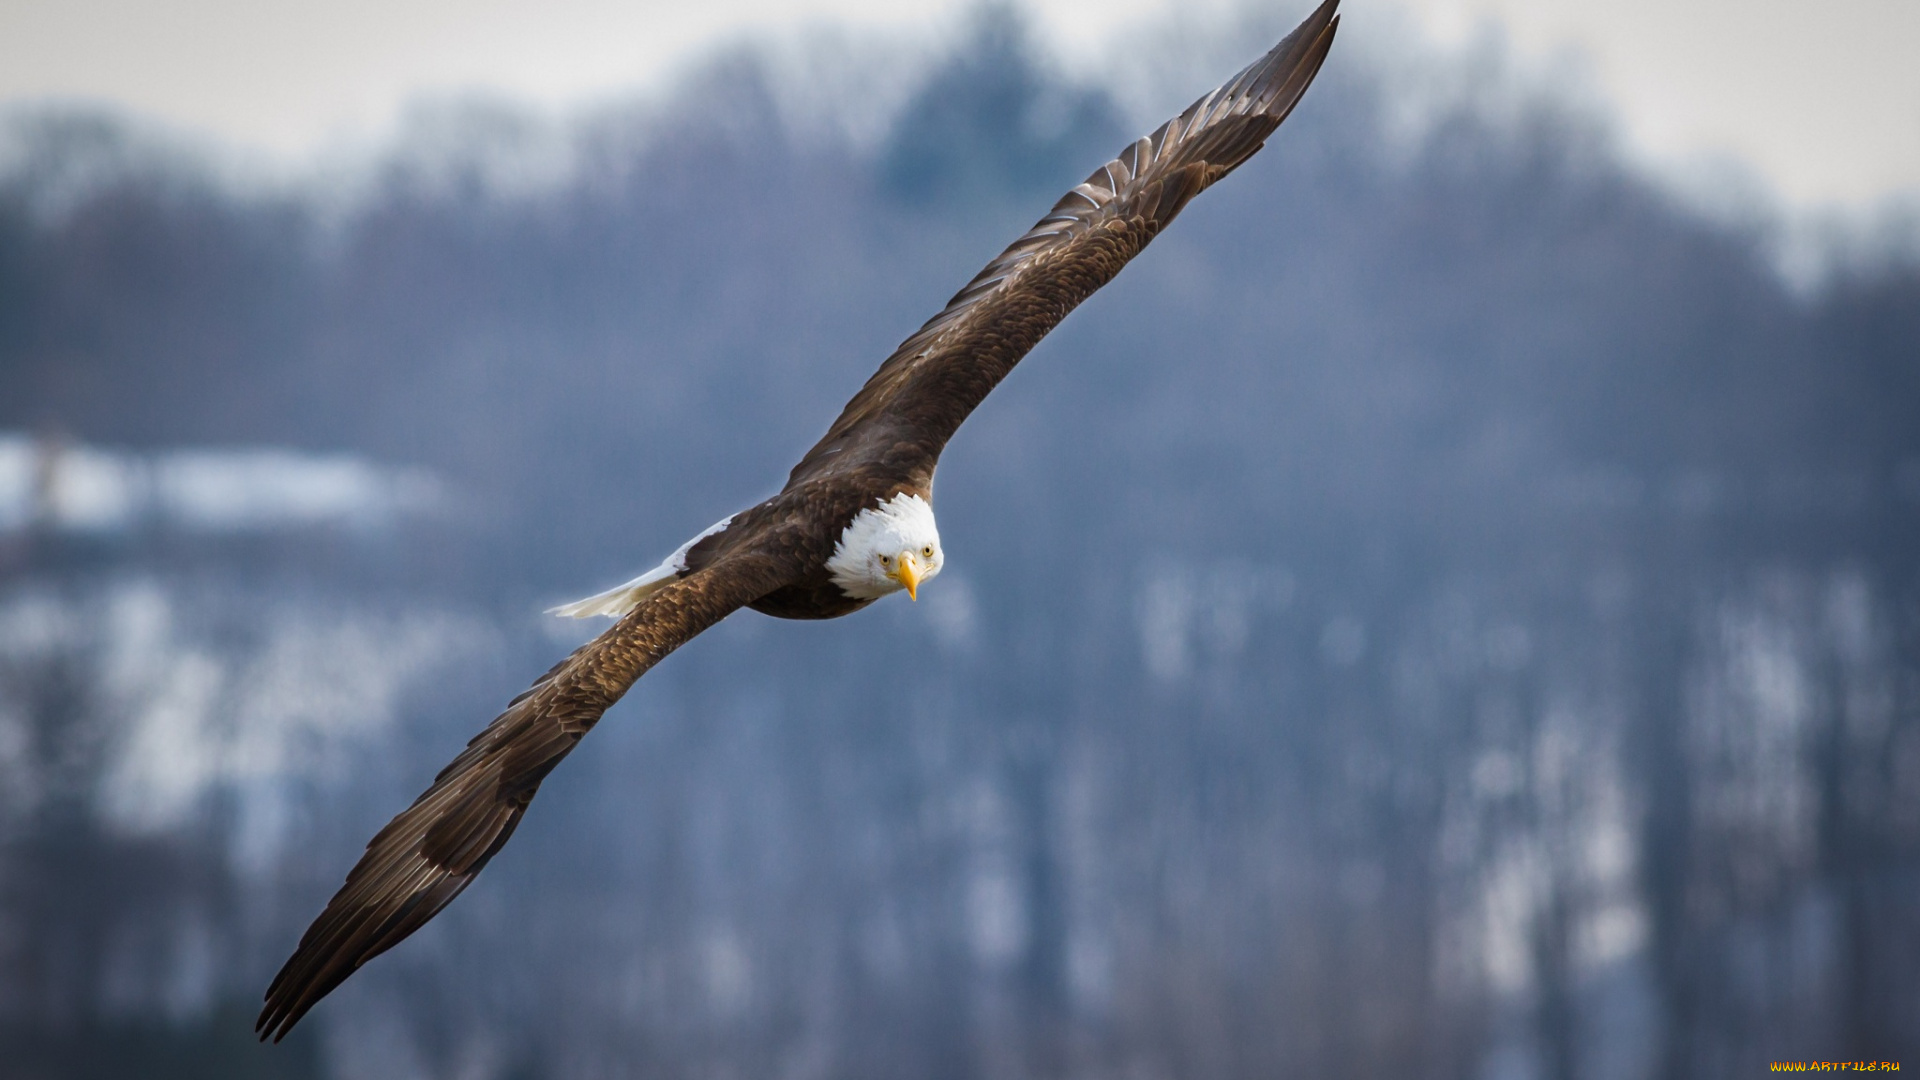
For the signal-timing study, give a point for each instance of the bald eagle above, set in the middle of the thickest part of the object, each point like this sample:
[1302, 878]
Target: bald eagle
[854, 522]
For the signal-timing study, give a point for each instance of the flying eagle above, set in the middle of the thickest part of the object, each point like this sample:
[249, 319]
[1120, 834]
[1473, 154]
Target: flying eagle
[853, 523]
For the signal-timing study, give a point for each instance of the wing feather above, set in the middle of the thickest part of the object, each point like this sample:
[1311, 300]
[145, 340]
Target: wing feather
[425, 856]
[922, 393]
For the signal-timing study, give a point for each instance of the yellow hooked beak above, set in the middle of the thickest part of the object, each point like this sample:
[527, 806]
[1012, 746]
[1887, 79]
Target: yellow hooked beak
[907, 573]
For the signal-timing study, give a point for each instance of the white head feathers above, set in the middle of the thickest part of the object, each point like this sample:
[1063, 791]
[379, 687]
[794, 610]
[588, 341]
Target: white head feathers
[887, 548]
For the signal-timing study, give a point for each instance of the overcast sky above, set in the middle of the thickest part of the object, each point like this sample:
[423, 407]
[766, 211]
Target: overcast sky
[1820, 100]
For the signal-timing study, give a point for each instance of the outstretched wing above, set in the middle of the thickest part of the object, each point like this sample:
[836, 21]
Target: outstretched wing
[920, 395]
[433, 849]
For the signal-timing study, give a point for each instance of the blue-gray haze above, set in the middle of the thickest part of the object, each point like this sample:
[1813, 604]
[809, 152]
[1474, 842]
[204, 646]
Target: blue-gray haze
[1443, 612]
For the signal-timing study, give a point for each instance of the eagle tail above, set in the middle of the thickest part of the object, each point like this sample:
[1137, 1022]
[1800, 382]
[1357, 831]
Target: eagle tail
[620, 599]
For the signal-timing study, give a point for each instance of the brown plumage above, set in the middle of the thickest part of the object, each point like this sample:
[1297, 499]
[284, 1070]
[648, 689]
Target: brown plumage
[775, 557]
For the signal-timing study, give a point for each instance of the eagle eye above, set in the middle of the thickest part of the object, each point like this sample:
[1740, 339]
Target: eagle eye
[927, 551]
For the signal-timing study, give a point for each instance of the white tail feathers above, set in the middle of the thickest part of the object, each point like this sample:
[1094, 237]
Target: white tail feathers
[620, 599]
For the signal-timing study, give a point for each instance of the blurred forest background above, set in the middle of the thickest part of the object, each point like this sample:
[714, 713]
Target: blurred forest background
[1447, 610]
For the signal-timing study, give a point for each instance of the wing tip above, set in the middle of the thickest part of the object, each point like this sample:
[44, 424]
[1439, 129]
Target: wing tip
[1292, 64]
[277, 1019]
[294, 991]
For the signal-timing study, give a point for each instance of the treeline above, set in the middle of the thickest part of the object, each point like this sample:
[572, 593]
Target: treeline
[1442, 612]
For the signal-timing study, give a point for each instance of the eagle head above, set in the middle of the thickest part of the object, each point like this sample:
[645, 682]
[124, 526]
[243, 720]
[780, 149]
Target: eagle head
[886, 548]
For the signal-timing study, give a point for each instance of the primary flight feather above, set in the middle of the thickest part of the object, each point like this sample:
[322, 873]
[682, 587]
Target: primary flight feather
[853, 523]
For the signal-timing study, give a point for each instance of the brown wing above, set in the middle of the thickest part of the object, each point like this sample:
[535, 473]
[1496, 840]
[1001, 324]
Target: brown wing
[433, 849]
[918, 398]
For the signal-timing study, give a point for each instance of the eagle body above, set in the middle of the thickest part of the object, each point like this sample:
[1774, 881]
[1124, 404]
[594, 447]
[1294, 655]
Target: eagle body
[806, 527]
[853, 523]
[829, 531]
